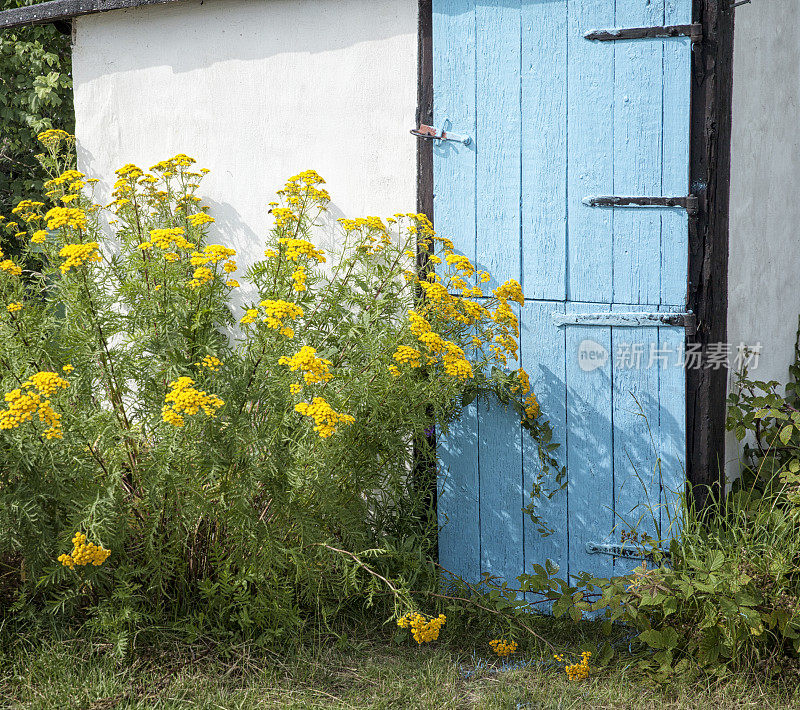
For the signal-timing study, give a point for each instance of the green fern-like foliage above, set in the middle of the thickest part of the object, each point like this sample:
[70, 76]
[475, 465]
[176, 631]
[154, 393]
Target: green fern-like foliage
[246, 446]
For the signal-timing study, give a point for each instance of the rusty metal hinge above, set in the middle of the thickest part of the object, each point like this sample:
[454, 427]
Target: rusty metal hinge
[690, 203]
[435, 134]
[635, 319]
[693, 32]
[626, 551]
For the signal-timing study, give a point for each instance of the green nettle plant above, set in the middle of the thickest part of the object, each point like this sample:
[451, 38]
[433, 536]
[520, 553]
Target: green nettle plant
[768, 425]
[156, 469]
[727, 596]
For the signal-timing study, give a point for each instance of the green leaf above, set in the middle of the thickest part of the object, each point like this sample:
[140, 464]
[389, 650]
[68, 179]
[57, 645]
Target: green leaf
[670, 606]
[715, 561]
[652, 638]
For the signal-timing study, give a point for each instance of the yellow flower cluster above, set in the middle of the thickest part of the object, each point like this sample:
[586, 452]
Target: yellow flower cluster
[53, 136]
[531, 404]
[423, 629]
[455, 362]
[250, 316]
[47, 383]
[314, 369]
[284, 218]
[9, 266]
[299, 277]
[297, 248]
[374, 236]
[201, 276]
[73, 217]
[187, 400]
[168, 239]
[407, 356]
[502, 647]
[523, 380]
[210, 362]
[131, 171]
[532, 409]
[39, 236]
[84, 553]
[453, 357]
[212, 254]
[418, 324]
[68, 368]
[275, 312]
[576, 671]
[33, 397]
[374, 224]
[14, 307]
[28, 210]
[460, 263]
[324, 416]
[510, 291]
[68, 177]
[303, 188]
[199, 219]
[77, 254]
[181, 160]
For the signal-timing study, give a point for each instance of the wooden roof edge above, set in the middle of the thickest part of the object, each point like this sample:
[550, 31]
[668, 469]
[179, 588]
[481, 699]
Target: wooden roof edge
[56, 11]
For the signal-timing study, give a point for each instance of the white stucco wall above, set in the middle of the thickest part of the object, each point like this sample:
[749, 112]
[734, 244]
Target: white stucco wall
[764, 257]
[256, 90]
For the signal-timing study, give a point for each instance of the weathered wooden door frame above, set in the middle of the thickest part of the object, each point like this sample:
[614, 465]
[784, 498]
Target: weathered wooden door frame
[709, 160]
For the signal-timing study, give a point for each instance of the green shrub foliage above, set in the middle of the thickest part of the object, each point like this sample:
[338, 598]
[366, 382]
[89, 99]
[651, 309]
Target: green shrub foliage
[35, 95]
[726, 596]
[248, 469]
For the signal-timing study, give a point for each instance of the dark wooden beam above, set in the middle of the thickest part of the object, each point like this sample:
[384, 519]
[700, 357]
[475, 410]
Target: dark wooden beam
[57, 11]
[711, 94]
[425, 108]
[424, 474]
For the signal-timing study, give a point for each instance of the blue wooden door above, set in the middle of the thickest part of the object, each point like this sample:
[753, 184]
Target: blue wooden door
[555, 120]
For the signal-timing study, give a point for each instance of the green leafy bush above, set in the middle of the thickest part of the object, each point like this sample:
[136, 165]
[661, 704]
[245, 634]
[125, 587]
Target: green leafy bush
[726, 598]
[247, 472]
[35, 95]
[767, 423]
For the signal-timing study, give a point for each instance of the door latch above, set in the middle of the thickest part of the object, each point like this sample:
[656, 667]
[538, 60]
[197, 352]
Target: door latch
[435, 134]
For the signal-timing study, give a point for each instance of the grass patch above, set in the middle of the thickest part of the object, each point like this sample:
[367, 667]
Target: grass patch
[57, 672]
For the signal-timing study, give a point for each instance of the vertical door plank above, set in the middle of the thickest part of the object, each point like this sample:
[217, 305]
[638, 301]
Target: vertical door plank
[672, 428]
[454, 217]
[497, 79]
[674, 270]
[638, 69]
[590, 140]
[589, 444]
[543, 357]
[544, 149]
[635, 413]
[454, 100]
[501, 491]
[675, 180]
[458, 502]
